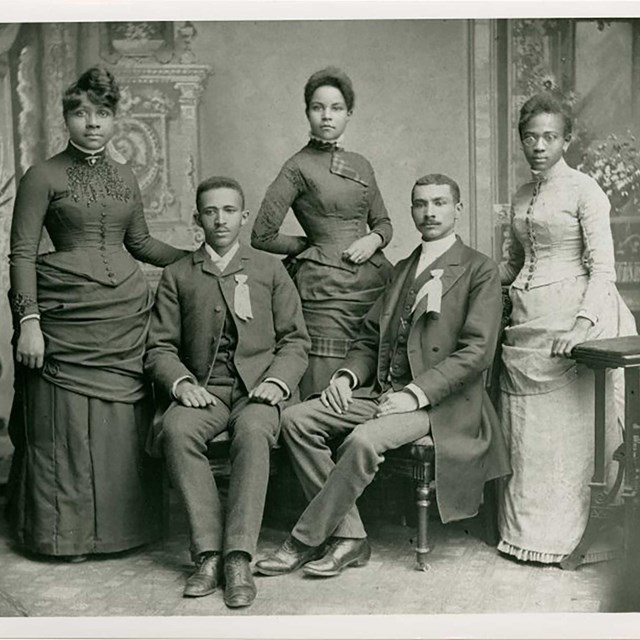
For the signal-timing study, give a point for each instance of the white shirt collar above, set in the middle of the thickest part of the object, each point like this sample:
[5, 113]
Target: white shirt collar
[432, 250]
[91, 152]
[222, 262]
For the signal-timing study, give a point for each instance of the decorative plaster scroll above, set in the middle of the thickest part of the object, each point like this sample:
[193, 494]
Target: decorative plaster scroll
[140, 145]
[135, 43]
[28, 117]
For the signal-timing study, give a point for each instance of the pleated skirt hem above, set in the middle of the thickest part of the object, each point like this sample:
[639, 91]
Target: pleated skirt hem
[80, 480]
[528, 555]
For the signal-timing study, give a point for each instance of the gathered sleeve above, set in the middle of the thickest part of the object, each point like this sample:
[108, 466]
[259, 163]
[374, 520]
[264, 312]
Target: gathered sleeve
[29, 212]
[280, 195]
[598, 256]
[139, 242]
[378, 218]
[510, 267]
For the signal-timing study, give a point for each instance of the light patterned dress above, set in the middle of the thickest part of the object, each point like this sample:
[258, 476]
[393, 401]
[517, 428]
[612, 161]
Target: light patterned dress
[560, 266]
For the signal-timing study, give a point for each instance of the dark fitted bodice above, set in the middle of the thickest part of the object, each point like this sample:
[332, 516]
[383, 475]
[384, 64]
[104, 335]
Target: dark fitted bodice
[91, 211]
[333, 209]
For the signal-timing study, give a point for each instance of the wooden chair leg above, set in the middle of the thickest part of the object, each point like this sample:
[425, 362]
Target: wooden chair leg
[423, 500]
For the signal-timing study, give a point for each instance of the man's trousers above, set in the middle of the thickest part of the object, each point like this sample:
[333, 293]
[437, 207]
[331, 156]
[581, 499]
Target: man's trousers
[333, 488]
[253, 429]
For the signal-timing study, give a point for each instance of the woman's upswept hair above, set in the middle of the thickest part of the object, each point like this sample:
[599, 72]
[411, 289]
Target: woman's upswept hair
[330, 77]
[545, 103]
[99, 85]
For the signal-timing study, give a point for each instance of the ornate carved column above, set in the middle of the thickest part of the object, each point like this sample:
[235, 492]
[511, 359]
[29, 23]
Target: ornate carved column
[482, 125]
[157, 134]
[157, 130]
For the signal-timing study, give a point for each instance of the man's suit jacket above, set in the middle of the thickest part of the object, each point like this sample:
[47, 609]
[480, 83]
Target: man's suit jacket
[189, 313]
[448, 355]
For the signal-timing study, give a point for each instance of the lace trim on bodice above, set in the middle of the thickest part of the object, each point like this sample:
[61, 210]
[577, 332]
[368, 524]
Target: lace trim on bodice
[97, 182]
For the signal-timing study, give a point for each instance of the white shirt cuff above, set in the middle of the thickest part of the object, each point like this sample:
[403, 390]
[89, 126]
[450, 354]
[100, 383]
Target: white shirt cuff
[29, 317]
[589, 316]
[177, 382]
[282, 385]
[354, 382]
[420, 395]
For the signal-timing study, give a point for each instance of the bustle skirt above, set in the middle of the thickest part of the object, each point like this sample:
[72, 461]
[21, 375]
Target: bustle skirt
[547, 413]
[80, 480]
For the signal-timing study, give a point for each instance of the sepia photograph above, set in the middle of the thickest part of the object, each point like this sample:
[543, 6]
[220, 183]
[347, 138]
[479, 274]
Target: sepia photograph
[319, 319]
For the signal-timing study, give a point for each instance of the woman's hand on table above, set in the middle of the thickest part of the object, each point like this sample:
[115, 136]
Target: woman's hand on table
[363, 248]
[564, 343]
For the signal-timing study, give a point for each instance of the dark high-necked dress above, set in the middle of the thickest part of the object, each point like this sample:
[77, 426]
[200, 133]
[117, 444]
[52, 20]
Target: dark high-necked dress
[80, 481]
[335, 198]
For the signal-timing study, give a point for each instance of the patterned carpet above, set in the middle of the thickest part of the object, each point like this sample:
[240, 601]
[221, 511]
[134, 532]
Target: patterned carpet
[465, 576]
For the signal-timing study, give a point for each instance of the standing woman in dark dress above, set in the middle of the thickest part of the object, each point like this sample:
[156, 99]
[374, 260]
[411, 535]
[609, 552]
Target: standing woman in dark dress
[80, 482]
[338, 265]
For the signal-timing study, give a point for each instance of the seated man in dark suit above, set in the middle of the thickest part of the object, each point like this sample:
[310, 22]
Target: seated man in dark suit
[227, 344]
[416, 368]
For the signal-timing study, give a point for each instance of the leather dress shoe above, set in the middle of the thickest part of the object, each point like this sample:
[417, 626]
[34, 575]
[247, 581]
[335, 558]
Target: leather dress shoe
[205, 579]
[239, 588]
[341, 553]
[288, 557]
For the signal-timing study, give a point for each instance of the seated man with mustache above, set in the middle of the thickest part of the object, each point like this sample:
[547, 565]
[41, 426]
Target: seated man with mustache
[415, 368]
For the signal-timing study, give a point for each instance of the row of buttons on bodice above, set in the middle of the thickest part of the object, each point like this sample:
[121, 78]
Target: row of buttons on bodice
[533, 257]
[103, 244]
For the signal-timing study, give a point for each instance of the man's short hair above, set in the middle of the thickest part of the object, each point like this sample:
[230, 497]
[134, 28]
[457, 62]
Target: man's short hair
[439, 178]
[218, 182]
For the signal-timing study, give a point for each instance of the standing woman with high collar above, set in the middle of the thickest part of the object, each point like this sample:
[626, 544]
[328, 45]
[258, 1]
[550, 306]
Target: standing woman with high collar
[560, 269]
[80, 482]
[338, 265]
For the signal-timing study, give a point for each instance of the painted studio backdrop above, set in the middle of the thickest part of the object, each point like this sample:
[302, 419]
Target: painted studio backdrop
[208, 98]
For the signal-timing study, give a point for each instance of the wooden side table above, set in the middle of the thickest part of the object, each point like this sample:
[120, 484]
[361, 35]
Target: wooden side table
[601, 355]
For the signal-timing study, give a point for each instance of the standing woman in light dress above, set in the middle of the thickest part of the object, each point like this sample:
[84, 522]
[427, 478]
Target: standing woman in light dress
[560, 266]
[80, 482]
[338, 265]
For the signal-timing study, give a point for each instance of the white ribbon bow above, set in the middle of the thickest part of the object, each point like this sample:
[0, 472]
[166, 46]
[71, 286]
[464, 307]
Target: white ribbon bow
[241, 299]
[433, 291]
